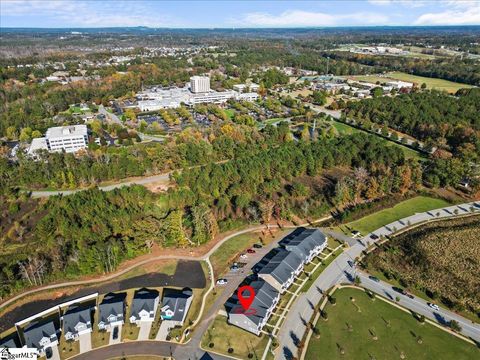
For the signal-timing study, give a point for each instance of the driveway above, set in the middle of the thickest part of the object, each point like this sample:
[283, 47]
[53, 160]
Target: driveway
[85, 342]
[144, 332]
[119, 337]
[163, 331]
[55, 353]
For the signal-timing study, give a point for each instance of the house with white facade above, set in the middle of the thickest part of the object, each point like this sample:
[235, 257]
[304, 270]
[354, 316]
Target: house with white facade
[306, 243]
[77, 321]
[280, 271]
[256, 316]
[41, 335]
[144, 306]
[111, 311]
[175, 306]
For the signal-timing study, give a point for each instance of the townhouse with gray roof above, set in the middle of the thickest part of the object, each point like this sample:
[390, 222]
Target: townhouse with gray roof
[257, 315]
[41, 335]
[175, 305]
[144, 306]
[77, 321]
[306, 243]
[281, 270]
[111, 311]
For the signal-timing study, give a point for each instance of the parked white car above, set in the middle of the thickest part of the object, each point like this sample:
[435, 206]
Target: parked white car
[222, 281]
[433, 306]
[243, 256]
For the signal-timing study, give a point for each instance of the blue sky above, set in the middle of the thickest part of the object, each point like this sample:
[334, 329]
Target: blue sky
[242, 13]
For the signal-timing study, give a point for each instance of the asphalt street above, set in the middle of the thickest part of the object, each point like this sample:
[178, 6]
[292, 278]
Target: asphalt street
[419, 305]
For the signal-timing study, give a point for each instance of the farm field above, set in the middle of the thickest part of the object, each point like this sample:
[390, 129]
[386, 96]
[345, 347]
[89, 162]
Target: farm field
[432, 83]
[440, 260]
[399, 211]
[353, 326]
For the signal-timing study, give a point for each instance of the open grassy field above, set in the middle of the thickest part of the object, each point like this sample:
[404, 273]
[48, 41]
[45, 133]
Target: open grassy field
[441, 259]
[366, 329]
[225, 336]
[405, 208]
[345, 129]
[432, 83]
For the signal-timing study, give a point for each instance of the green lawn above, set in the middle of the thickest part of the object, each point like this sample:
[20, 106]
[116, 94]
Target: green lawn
[224, 336]
[432, 83]
[399, 211]
[353, 326]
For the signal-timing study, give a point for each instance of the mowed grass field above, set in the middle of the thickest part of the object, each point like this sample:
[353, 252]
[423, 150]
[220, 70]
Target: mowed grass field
[403, 209]
[224, 336]
[432, 83]
[352, 326]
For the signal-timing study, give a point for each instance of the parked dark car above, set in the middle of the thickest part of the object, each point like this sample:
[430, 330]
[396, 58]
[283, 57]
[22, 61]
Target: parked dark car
[257, 246]
[373, 278]
[399, 290]
[115, 333]
[251, 251]
[374, 237]
[409, 295]
[48, 352]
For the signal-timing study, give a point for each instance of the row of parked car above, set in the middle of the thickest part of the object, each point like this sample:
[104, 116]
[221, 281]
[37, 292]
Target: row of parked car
[238, 265]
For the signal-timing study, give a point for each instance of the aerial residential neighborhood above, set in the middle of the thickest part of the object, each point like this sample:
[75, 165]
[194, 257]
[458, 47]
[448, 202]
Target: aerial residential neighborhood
[290, 180]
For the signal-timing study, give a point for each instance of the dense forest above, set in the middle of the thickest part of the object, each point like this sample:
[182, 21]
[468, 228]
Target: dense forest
[449, 122]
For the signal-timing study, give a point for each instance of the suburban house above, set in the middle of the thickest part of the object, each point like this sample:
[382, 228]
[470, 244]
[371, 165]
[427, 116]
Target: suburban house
[144, 306]
[281, 270]
[77, 321]
[306, 243]
[175, 305]
[111, 311]
[257, 315]
[41, 335]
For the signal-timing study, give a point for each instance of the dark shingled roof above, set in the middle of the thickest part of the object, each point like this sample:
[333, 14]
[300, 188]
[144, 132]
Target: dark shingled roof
[302, 240]
[264, 296]
[112, 304]
[282, 265]
[74, 315]
[144, 299]
[36, 332]
[176, 301]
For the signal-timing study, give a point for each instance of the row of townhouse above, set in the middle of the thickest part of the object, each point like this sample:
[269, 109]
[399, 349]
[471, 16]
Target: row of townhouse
[275, 274]
[77, 318]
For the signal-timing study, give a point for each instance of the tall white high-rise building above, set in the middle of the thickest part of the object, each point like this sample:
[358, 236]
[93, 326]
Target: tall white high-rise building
[200, 84]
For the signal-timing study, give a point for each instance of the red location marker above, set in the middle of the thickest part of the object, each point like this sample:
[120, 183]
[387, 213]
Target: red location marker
[246, 301]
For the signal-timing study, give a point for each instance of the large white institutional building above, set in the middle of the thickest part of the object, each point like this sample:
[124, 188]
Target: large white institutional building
[197, 92]
[61, 138]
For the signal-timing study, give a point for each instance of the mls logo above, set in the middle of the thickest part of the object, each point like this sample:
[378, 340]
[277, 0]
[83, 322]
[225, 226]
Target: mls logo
[15, 353]
[5, 354]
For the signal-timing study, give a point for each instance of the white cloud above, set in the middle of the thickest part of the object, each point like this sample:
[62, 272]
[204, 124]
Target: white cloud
[454, 13]
[87, 13]
[405, 3]
[291, 18]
